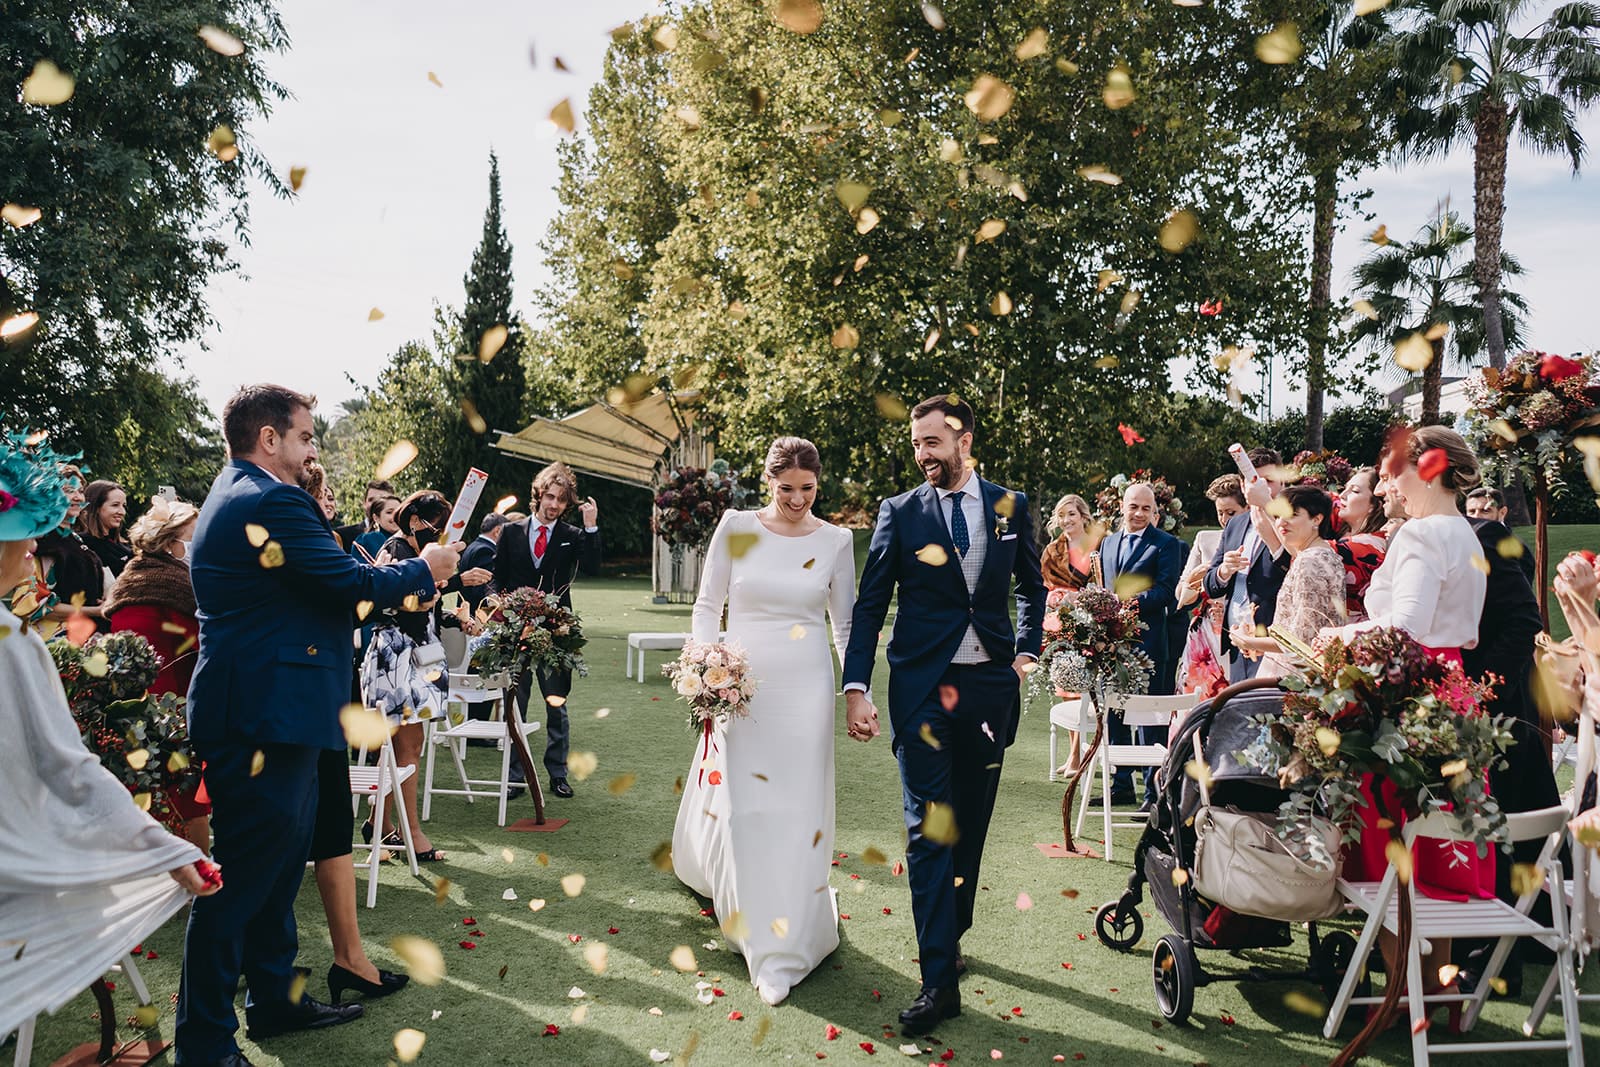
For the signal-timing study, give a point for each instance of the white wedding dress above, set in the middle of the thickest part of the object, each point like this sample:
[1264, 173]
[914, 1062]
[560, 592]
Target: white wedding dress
[760, 843]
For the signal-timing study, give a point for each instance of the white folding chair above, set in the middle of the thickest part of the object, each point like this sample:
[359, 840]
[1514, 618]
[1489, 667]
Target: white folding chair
[24, 1054]
[1073, 715]
[1433, 919]
[454, 734]
[1137, 710]
[379, 784]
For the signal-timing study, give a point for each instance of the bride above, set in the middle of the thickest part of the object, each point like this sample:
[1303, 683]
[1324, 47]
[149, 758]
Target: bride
[757, 838]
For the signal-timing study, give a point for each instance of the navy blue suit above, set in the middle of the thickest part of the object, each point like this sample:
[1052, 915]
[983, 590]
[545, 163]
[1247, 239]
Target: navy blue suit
[950, 724]
[273, 672]
[1261, 582]
[1156, 563]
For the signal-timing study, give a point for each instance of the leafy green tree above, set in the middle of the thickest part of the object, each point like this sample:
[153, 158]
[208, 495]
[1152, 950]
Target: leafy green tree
[1423, 303]
[134, 211]
[1474, 75]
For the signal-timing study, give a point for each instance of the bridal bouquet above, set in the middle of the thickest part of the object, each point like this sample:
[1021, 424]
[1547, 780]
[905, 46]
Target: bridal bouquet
[714, 680]
[528, 628]
[1092, 638]
[141, 738]
[1381, 705]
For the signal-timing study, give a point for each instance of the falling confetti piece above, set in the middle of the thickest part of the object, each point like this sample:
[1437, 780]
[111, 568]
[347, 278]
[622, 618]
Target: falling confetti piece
[1130, 436]
[257, 761]
[1365, 309]
[1380, 236]
[1001, 304]
[1180, 876]
[399, 456]
[939, 824]
[138, 758]
[580, 765]
[20, 216]
[537, 904]
[1179, 230]
[563, 117]
[658, 1055]
[597, 956]
[221, 144]
[933, 555]
[866, 220]
[780, 928]
[799, 16]
[363, 727]
[1367, 7]
[989, 98]
[1433, 463]
[408, 1044]
[509, 894]
[1118, 92]
[682, 959]
[221, 41]
[434, 78]
[421, 957]
[1024, 902]
[1526, 878]
[1036, 44]
[48, 85]
[990, 229]
[621, 784]
[297, 178]
[1399, 857]
[1280, 45]
[1328, 740]
[1413, 352]
[573, 884]
[1097, 173]
[493, 339]
[797, 632]
[741, 543]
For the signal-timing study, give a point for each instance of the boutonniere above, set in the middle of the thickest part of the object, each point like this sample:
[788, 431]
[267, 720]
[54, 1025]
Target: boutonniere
[1002, 525]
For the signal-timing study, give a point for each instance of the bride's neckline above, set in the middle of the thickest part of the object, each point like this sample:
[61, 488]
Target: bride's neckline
[821, 525]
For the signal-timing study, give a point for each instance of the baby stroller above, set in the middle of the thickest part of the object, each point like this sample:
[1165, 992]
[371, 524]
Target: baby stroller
[1224, 729]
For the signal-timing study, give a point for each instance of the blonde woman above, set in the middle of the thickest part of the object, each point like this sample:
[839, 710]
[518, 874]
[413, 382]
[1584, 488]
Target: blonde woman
[1067, 565]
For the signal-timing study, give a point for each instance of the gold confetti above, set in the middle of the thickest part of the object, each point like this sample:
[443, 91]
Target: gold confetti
[989, 98]
[408, 1044]
[1106, 279]
[1413, 353]
[492, 341]
[1399, 857]
[257, 761]
[1001, 304]
[221, 41]
[741, 543]
[797, 632]
[1509, 548]
[1128, 586]
[1302, 1003]
[932, 15]
[621, 784]
[939, 824]
[147, 1015]
[537, 904]
[363, 609]
[890, 407]
[874, 857]
[661, 857]
[399, 456]
[816, 839]
[689, 115]
[950, 151]
[765, 1025]
[933, 555]
[141, 801]
[138, 758]
[17, 325]
[363, 727]
[1526, 878]
[1036, 44]
[665, 38]
[682, 959]
[48, 85]
[563, 117]
[1453, 768]
[926, 733]
[441, 891]
[734, 927]
[1180, 876]
[1097, 173]
[867, 220]
[990, 229]
[597, 956]
[1437, 332]
[1199, 771]
[96, 665]
[853, 195]
[845, 337]
[573, 884]
[1179, 231]
[297, 178]
[375, 314]
[475, 421]
[1380, 236]
[799, 16]
[1130, 300]
[297, 988]
[20, 216]
[1118, 92]
[421, 957]
[177, 761]
[222, 145]
[932, 340]
[504, 504]
[1328, 741]
[271, 555]
[1280, 45]
[1367, 7]
[580, 765]
[1279, 508]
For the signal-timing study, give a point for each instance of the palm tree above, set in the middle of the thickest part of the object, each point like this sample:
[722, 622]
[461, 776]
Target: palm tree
[1423, 306]
[1469, 75]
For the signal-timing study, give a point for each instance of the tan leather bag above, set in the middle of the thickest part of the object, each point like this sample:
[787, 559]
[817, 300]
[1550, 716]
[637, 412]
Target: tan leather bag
[1242, 864]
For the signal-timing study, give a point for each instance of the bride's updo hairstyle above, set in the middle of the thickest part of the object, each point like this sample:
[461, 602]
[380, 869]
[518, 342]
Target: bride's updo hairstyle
[791, 453]
[1461, 464]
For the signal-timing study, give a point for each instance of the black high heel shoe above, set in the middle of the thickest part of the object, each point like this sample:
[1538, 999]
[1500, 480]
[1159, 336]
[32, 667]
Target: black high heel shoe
[340, 980]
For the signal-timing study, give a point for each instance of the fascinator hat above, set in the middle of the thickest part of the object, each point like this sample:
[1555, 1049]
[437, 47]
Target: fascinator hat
[33, 490]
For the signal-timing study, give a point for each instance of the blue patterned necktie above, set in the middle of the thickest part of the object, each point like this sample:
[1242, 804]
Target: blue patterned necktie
[958, 525]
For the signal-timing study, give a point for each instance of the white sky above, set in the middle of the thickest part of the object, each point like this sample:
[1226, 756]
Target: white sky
[393, 200]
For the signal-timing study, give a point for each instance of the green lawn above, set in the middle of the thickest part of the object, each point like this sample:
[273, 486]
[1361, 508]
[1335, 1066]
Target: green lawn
[1074, 995]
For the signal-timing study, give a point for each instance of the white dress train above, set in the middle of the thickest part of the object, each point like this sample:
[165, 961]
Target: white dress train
[760, 843]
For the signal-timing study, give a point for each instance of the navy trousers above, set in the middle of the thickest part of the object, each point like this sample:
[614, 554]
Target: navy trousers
[262, 834]
[956, 763]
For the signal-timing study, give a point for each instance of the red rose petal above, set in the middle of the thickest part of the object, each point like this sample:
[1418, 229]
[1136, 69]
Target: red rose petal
[1432, 463]
[111, 986]
[466, 944]
[735, 1016]
[152, 955]
[1016, 1011]
[866, 1046]
[842, 915]
[831, 1032]
[138, 950]
[707, 912]
[876, 995]
[574, 938]
[612, 930]
[551, 1030]
[887, 911]
[947, 1055]
[717, 992]
[1227, 1020]
[1067, 966]
[469, 921]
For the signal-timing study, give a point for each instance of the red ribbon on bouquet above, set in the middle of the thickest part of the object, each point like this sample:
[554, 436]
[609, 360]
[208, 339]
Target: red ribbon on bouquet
[705, 755]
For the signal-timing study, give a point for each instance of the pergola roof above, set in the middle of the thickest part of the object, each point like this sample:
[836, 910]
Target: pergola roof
[623, 442]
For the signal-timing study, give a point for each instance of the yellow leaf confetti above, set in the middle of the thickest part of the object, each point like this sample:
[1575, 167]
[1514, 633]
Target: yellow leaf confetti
[374, 314]
[1453, 768]
[1413, 353]
[853, 195]
[1279, 508]
[682, 959]
[1437, 332]
[741, 543]
[926, 733]
[222, 145]
[400, 455]
[475, 421]
[990, 229]
[1365, 309]
[939, 824]
[271, 555]
[257, 761]
[1199, 771]
[48, 85]
[1036, 44]
[874, 857]
[492, 341]
[1510, 548]
[932, 15]
[138, 758]
[845, 337]
[989, 98]
[1367, 7]
[1280, 45]
[1179, 231]
[141, 801]
[1328, 741]
[363, 727]
[867, 220]
[1118, 92]
[597, 956]
[20, 216]
[735, 928]
[799, 16]
[1399, 857]
[1526, 878]
[580, 765]
[950, 151]
[666, 37]
[256, 534]
[573, 884]
[408, 1044]
[147, 1015]
[661, 857]
[221, 41]
[537, 904]
[297, 988]
[933, 555]
[421, 957]
[797, 632]
[1380, 236]
[1097, 173]
[563, 117]
[1180, 876]
[1001, 304]
[621, 784]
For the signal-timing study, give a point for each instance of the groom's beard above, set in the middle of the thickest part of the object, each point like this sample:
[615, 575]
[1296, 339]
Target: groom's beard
[943, 473]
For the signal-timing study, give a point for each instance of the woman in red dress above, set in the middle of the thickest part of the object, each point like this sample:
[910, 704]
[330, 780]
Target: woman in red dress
[155, 599]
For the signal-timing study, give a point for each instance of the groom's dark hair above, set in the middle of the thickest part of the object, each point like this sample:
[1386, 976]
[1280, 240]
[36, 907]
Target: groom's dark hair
[951, 407]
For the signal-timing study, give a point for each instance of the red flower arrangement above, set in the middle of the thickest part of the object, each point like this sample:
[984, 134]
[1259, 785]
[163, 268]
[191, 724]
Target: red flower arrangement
[1523, 417]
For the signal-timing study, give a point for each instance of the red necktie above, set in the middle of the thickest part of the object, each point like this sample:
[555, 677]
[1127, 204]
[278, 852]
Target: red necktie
[541, 542]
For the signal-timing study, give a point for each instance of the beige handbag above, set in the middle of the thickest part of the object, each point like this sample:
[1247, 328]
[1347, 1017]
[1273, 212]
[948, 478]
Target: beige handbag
[1242, 864]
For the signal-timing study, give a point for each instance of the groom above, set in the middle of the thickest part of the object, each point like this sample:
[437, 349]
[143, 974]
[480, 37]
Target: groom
[953, 546]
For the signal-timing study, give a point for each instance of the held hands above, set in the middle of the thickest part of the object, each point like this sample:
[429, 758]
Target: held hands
[590, 512]
[476, 576]
[861, 718]
[442, 559]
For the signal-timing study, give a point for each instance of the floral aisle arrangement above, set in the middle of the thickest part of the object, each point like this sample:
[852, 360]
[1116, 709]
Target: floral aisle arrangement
[714, 680]
[1381, 705]
[527, 628]
[1108, 501]
[1326, 469]
[1522, 418]
[1091, 640]
[140, 738]
[690, 503]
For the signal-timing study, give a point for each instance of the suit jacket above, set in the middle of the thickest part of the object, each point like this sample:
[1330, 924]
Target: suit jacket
[1506, 634]
[480, 553]
[934, 606]
[1158, 558]
[274, 659]
[570, 550]
[1262, 581]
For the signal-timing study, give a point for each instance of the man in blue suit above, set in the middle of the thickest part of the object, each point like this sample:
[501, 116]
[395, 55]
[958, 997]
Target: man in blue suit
[1142, 562]
[956, 549]
[277, 598]
[1250, 564]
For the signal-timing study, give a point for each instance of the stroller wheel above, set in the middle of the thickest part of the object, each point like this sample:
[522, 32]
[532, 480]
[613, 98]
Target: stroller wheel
[1335, 956]
[1173, 966]
[1119, 925]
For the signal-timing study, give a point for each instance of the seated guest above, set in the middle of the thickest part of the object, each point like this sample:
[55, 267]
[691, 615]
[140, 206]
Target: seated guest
[1313, 593]
[155, 599]
[105, 509]
[1361, 543]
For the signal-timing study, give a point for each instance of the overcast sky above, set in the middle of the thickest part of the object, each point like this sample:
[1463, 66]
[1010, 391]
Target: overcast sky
[396, 185]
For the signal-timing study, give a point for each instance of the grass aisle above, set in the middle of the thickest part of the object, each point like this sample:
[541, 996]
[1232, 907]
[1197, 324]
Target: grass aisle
[1041, 984]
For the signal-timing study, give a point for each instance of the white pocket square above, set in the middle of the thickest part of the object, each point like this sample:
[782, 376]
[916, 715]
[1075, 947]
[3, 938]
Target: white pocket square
[1009, 537]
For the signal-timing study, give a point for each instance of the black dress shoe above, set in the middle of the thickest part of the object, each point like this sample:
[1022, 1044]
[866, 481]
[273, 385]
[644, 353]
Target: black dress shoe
[340, 979]
[932, 1007]
[515, 791]
[560, 788]
[1146, 807]
[309, 1014]
[235, 1060]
